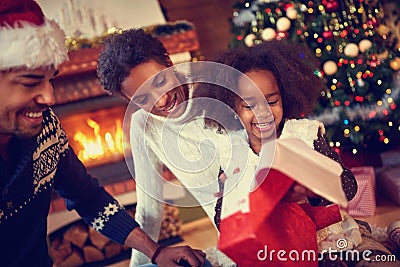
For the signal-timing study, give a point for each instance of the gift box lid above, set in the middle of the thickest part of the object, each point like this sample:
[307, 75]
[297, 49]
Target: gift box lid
[308, 167]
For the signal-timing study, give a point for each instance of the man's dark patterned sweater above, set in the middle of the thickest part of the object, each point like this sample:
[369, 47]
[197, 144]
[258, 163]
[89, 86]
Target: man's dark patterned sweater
[34, 168]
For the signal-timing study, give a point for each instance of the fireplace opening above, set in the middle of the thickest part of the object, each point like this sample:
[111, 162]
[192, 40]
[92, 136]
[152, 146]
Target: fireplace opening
[96, 136]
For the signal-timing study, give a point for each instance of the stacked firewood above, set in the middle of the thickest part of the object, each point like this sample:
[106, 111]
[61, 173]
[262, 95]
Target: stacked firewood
[171, 223]
[78, 243]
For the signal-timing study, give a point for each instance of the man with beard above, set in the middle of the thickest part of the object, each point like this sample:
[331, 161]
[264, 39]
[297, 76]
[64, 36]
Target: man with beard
[35, 157]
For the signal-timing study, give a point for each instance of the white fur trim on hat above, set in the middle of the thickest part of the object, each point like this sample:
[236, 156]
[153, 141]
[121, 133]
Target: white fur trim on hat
[32, 46]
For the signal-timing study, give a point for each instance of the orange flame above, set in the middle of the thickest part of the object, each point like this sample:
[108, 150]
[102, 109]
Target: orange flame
[97, 147]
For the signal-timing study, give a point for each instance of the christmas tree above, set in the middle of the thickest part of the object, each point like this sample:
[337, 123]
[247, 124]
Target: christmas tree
[357, 43]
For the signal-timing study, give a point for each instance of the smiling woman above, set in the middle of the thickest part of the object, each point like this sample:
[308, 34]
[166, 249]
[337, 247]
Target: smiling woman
[135, 65]
[156, 89]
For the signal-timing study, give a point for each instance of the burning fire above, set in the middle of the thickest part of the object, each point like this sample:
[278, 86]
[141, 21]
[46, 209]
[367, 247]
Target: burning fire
[96, 146]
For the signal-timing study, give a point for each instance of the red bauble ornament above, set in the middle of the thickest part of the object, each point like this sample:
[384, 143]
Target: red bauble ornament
[373, 22]
[331, 5]
[374, 61]
[327, 35]
[281, 35]
[344, 33]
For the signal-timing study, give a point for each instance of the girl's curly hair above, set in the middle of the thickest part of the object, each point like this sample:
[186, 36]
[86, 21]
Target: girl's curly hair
[293, 66]
[122, 52]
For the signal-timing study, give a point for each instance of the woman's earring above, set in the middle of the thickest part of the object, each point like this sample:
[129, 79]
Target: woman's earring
[236, 117]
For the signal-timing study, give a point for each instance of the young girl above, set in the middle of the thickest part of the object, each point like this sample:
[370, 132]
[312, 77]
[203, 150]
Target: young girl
[284, 73]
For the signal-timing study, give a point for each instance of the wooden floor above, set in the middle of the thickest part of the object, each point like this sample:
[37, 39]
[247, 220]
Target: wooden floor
[202, 235]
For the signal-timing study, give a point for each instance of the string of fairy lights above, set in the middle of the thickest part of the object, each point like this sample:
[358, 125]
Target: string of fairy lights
[359, 58]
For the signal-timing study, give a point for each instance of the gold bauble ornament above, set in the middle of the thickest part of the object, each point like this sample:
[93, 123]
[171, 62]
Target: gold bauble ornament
[383, 55]
[291, 13]
[395, 64]
[268, 34]
[330, 67]
[249, 39]
[364, 45]
[351, 50]
[283, 24]
[383, 30]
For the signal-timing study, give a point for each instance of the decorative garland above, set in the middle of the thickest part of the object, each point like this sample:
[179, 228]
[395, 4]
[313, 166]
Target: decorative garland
[74, 43]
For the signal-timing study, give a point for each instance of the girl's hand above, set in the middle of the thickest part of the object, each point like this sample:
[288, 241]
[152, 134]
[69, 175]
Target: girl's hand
[298, 192]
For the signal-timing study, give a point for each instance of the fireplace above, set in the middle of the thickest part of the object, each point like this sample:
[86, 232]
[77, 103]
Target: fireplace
[96, 136]
[91, 118]
[93, 122]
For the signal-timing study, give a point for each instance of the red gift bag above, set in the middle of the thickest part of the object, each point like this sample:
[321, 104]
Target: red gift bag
[280, 234]
[258, 229]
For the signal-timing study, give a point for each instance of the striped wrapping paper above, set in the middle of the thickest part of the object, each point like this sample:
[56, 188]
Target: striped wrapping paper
[364, 202]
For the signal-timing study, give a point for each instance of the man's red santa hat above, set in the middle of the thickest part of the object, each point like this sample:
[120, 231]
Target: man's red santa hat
[27, 38]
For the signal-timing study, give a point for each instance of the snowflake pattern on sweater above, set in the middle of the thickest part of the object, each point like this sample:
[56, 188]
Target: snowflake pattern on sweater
[104, 216]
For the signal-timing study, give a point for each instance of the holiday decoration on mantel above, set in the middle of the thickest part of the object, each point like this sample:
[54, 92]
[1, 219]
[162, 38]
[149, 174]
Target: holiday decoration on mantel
[358, 45]
[88, 28]
[85, 26]
[176, 36]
